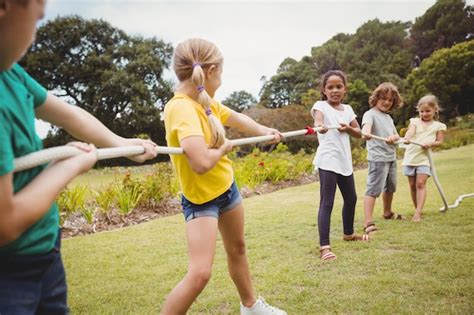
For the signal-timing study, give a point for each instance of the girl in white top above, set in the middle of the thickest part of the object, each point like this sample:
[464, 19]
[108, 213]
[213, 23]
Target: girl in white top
[334, 159]
[416, 166]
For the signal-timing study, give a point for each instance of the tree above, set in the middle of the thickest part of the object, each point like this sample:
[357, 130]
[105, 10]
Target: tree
[448, 74]
[240, 101]
[116, 77]
[446, 23]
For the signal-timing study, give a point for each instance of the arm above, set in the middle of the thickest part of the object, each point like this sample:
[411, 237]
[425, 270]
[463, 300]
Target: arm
[353, 128]
[319, 121]
[439, 140]
[73, 119]
[250, 126]
[367, 131]
[200, 157]
[410, 133]
[16, 211]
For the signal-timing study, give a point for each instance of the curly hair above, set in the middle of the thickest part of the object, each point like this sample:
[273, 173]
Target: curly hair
[382, 91]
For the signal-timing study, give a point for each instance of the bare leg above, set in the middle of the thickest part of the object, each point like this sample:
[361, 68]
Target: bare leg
[201, 235]
[412, 183]
[420, 195]
[387, 198]
[231, 226]
[369, 204]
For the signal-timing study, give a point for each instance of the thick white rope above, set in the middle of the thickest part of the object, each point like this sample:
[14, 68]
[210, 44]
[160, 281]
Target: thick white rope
[429, 153]
[62, 152]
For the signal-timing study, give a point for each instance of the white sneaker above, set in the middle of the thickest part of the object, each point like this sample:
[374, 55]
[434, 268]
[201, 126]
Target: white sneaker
[260, 308]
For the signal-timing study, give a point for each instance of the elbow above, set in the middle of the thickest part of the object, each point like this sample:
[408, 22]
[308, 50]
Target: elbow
[201, 169]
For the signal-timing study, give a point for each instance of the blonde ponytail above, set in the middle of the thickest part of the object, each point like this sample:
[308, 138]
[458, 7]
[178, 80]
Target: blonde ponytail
[190, 57]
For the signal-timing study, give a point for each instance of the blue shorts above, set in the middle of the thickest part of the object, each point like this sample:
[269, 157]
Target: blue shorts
[33, 284]
[227, 201]
[413, 170]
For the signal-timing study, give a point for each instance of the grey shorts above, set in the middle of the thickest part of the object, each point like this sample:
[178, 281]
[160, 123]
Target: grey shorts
[413, 170]
[382, 177]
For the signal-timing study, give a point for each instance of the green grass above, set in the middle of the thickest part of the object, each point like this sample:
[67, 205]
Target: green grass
[408, 268]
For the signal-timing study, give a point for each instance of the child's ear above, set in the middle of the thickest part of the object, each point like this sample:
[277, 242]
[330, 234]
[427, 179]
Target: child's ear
[210, 71]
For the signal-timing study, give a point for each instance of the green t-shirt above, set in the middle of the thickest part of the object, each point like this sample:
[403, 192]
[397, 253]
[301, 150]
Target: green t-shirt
[19, 96]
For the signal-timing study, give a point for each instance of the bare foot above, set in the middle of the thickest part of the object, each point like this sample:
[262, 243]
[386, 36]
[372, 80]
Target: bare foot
[416, 217]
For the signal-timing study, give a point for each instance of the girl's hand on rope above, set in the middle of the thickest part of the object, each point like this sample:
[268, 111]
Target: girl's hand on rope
[151, 149]
[366, 136]
[226, 147]
[322, 129]
[426, 146]
[277, 136]
[344, 127]
[406, 141]
[391, 139]
[85, 161]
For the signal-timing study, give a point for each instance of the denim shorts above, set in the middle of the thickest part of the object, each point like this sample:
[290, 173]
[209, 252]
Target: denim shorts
[413, 170]
[382, 177]
[227, 201]
[33, 284]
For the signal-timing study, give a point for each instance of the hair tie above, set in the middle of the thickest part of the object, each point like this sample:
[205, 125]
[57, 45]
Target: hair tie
[208, 112]
[196, 64]
[200, 88]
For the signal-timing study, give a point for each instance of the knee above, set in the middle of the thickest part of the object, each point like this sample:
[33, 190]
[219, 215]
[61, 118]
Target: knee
[200, 277]
[420, 185]
[237, 249]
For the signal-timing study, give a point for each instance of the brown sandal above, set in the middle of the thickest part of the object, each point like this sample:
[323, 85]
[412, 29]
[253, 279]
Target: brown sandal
[394, 216]
[354, 237]
[329, 255]
[370, 228]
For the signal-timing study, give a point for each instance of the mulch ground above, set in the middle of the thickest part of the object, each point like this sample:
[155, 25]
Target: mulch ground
[76, 225]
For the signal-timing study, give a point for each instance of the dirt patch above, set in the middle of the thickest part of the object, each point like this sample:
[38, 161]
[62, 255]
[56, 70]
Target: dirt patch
[76, 224]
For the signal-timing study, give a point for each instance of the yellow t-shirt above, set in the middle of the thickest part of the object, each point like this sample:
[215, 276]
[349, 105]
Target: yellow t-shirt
[414, 154]
[185, 117]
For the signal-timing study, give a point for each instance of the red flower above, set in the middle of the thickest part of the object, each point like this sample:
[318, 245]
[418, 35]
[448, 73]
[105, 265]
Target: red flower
[262, 164]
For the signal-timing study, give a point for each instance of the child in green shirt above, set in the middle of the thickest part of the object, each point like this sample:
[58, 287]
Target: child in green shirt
[32, 278]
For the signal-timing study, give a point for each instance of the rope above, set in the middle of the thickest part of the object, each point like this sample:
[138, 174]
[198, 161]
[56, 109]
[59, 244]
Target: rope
[429, 153]
[57, 153]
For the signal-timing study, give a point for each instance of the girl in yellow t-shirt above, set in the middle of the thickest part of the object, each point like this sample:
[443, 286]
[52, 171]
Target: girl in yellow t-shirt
[416, 166]
[210, 199]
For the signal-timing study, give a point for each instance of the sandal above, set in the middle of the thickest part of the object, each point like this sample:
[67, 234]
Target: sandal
[354, 237]
[394, 216]
[370, 228]
[328, 255]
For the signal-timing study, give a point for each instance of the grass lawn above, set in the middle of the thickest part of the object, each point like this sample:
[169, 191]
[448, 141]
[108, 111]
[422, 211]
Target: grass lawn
[408, 268]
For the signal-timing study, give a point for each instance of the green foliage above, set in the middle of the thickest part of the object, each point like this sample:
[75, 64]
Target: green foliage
[128, 199]
[88, 214]
[71, 200]
[446, 23]
[377, 52]
[240, 101]
[116, 77]
[279, 165]
[105, 198]
[358, 97]
[448, 74]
